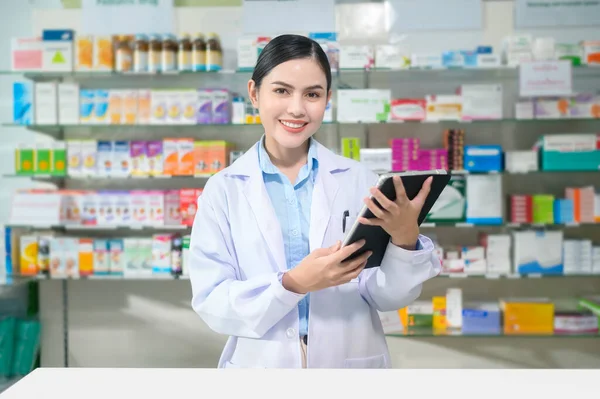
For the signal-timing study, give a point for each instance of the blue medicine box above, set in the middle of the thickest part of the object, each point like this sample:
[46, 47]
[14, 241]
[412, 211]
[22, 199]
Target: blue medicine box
[483, 158]
[481, 319]
[563, 211]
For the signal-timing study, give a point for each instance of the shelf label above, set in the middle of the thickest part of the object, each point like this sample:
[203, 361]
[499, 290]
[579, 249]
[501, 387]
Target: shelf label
[545, 78]
[108, 17]
[543, 14]
[271, 17]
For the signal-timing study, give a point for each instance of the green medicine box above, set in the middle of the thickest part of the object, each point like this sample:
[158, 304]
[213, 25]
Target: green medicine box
[59, 159]
[24, 159]
[351, 148]
[543, 209]
[42, 159]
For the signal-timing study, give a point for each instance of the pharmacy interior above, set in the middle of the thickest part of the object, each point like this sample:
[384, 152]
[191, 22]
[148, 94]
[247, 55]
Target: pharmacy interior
[111, 129]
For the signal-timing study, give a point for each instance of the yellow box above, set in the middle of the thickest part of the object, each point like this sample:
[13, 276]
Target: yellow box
[28, 255]
[104, 59]
[439, 313]
[86, 256]
[528, 317]
[84, 59]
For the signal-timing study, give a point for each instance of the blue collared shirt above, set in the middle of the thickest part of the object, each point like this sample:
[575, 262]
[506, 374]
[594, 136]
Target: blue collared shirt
[292, 206]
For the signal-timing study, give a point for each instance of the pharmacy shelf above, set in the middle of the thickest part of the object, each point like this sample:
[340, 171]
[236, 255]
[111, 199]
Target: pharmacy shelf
[423, 333]
[508, 225]
[59, 130]
[152, 277]
[515, 276]
[124, 179]
[449, 72]
[79, 228]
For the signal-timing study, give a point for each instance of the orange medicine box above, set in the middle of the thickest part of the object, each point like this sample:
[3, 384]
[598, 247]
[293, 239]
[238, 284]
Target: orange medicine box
[528, 316]
[217, 155]
[171, 157]
[185, 151]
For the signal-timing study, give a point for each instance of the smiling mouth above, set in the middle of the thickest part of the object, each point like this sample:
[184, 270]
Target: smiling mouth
[293, 125]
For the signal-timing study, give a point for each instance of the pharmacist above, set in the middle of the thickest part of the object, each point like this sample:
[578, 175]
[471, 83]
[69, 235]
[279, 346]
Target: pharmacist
[266, 264]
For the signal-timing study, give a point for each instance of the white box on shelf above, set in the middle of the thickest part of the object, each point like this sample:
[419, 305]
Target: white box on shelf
[356, 57]
[524, 110]
[454, 308]
[362, 105]
[484, 199]
[521, 161]
[68, 103]
[389, 56]
[46, 103]
[377, 159]
[481, 101]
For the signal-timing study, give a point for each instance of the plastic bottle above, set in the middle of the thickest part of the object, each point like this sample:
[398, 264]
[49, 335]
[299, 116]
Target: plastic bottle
[176, 255]
[124, 54]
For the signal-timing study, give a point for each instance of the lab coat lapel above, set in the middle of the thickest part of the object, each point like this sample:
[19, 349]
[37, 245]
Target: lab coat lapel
[324, 193]
[260, 203]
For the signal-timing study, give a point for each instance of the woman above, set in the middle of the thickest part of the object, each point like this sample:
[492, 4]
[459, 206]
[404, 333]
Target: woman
[266, 265]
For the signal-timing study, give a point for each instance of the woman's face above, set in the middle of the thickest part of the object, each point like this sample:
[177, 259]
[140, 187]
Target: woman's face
[291, 101]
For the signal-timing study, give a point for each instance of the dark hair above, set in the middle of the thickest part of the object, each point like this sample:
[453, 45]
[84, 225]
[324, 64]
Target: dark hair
[289, 47]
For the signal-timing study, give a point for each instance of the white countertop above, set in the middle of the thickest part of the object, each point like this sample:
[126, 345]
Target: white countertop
[114, 383]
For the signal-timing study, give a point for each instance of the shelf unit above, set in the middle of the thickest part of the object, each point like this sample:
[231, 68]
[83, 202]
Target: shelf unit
[510, 132]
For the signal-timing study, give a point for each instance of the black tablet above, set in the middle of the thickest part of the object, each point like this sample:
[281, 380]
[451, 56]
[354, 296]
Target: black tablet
[377, 239]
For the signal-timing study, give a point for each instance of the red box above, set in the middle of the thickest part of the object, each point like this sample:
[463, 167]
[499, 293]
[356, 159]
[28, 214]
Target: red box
[188, 200]
[521, 209]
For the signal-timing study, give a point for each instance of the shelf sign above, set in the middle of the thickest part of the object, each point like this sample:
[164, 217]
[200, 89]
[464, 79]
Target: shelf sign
[434, 15]
[545, 78]
[553, 13]
[273, 17]
[127, 17]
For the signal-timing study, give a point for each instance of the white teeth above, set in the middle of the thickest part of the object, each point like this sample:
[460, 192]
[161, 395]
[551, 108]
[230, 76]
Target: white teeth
[292, 125]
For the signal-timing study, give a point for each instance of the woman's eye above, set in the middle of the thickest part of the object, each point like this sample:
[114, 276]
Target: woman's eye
[280, 91]
[313, 95]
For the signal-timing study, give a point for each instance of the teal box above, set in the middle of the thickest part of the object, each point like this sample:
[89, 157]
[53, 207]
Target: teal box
[569, 161]
[22, 103]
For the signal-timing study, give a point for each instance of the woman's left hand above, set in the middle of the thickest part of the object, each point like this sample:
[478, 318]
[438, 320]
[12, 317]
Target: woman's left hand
[398, 218]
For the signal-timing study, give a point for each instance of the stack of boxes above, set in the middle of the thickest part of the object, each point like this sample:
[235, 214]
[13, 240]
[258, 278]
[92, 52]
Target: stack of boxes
[454, 143]
[407, 154]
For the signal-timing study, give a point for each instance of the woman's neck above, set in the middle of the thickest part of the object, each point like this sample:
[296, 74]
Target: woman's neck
[286, 158]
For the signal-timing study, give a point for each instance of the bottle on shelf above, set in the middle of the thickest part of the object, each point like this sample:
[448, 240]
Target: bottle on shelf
[154, 53]
[170, 48]
[123, 54]
[176, 255]
[184, 56]
[140, 54]
[199, 53]
[214, 53]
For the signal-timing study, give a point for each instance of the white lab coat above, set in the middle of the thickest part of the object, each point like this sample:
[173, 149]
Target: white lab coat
[237, 259]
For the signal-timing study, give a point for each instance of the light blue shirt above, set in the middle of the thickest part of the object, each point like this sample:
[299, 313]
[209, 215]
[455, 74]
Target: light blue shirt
[292, 207]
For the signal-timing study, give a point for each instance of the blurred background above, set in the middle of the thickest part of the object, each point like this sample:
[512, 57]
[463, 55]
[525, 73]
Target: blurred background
[114, 115]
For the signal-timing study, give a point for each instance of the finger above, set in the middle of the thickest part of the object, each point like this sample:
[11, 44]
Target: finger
[377, 211]
[400, 191]
[371, 222]
[354, 273]
[345, 252]
[350, 265]
[419, 200]
[384, 201]
[319, 252]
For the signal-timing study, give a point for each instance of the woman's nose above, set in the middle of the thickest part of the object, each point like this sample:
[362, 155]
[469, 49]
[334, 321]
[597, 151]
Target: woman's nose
[296, 107]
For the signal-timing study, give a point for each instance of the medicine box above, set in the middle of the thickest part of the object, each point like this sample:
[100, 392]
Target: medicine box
[538, 252]
[527, 316]
[481, 318]
[483, 158]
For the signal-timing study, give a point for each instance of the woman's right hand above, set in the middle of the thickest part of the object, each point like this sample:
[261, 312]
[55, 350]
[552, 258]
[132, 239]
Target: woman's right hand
[325, 267]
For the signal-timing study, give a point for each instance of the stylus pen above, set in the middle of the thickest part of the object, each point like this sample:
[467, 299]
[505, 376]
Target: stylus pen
[346, 214]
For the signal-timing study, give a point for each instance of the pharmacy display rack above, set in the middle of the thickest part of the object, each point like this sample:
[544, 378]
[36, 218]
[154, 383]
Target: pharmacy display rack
[511, 133]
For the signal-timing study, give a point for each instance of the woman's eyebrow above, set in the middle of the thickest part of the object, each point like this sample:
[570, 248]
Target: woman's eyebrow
[289, 86]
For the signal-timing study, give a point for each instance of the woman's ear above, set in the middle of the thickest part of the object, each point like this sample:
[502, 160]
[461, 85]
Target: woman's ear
[329, 95]
[253, 93]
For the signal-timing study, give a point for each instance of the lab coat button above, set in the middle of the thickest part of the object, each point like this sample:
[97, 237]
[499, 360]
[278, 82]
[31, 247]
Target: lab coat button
[290, 333]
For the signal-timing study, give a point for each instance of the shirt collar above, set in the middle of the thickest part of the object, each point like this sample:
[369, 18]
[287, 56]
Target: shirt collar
[267, 166]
